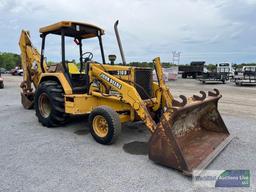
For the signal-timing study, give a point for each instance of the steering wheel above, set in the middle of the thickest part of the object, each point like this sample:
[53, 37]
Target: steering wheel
[87, 56]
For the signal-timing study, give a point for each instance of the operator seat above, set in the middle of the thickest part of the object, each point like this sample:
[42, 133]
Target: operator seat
[78, 79]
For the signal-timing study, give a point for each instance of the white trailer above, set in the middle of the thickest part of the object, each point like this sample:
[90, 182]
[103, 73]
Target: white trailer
[246, 76]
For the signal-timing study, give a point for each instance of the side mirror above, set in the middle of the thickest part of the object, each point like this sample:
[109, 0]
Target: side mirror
[112, 59]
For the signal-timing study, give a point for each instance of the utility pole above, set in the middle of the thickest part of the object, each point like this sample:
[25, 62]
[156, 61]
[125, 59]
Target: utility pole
[176, 57]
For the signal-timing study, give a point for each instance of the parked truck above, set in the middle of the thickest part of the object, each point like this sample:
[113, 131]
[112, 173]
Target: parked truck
[17, 71]
[195, 69]
[222, 73]
[246, 76]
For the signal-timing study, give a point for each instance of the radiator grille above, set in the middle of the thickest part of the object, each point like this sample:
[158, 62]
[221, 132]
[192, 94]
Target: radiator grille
[143, 82]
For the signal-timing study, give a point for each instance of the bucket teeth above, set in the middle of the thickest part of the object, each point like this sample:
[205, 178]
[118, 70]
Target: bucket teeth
[199, 98]
[215, 93]
[176, 103]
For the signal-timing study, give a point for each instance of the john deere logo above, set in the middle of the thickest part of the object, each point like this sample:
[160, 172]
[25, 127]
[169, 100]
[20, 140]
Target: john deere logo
[111, 81]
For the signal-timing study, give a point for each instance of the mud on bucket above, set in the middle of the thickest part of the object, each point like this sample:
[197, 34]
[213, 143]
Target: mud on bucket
[190, 137]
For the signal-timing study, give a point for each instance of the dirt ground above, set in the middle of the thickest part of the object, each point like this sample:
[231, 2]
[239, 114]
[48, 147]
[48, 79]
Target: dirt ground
[35, 158]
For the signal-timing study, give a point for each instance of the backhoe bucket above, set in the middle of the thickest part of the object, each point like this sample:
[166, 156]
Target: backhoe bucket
[27, 100]
[27, 95]
[190, 137]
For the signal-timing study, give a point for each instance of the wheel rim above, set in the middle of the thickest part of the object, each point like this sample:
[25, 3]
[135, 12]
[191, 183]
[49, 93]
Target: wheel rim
[44, 105]
[100, 126]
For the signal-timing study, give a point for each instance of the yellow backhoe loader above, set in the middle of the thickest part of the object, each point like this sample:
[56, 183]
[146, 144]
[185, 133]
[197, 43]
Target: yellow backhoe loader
[186, 134]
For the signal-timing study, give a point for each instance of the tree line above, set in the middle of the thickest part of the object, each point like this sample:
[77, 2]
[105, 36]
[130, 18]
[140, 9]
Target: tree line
[9, 61]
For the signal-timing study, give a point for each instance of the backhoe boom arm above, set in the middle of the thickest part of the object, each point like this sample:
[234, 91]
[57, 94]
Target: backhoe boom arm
[30, 60]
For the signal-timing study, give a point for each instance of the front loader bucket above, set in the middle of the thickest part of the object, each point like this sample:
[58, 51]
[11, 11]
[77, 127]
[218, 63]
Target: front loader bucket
[190, 137]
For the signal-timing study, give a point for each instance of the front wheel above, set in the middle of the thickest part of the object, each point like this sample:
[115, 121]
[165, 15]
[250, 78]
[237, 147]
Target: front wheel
[105, 125]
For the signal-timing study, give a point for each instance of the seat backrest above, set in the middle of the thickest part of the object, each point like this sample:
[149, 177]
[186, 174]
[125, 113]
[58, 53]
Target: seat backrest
[73, 69]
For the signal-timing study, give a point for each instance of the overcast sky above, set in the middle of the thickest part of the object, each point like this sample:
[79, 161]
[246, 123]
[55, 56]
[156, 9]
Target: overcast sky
[211, 30]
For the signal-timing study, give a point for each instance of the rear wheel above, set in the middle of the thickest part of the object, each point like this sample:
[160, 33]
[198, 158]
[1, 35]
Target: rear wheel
[105, 125]
[49, 104]
[184, 76]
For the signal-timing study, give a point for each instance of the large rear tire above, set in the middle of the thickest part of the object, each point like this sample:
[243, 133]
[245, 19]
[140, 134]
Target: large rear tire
[105, 125]
[49, 104]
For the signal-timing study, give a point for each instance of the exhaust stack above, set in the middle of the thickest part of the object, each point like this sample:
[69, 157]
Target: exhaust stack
[119, 42]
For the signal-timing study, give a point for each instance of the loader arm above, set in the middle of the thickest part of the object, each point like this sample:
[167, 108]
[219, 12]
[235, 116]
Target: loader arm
[128, 92]
[189, 135]
[166, 94]
[30, 60]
